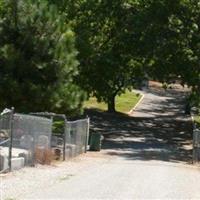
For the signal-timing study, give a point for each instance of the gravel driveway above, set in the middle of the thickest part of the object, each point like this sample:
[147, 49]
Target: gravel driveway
[147, 156]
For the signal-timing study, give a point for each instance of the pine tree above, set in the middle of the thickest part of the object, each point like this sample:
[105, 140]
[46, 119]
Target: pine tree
[38, 61]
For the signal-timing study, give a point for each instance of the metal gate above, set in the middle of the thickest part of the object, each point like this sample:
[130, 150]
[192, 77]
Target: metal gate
[23, 138]
[196, 146]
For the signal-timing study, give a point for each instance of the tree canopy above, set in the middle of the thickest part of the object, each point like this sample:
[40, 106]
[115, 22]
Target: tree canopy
[121, 40]
[37, 58]
[108, 64]
[170, 40]
[51, 51]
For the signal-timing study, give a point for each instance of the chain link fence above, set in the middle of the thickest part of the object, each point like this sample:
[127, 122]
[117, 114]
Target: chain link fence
[31, 138]
[69, 138]
[196, 146]
[5, 142]
[25, 140]
[28, 139]
[76, 137]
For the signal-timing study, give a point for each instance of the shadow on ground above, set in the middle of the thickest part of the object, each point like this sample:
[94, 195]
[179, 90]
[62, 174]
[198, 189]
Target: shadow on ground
[166, 134]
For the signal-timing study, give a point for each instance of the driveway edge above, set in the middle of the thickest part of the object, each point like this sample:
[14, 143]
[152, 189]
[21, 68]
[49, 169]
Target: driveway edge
[142, 97]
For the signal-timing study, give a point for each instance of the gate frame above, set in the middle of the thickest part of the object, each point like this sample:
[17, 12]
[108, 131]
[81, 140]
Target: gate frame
[52, 116]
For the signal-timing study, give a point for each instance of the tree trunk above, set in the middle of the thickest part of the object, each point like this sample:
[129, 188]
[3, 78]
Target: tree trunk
[111, 104]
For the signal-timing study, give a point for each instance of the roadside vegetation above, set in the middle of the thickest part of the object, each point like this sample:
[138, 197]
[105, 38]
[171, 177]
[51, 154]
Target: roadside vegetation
[124, 102]
[197, 121]
[53, 54]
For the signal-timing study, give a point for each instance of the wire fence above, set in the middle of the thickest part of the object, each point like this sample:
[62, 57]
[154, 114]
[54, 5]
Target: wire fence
[24, 140]
[5, 132]
[76, 137]
[196, 146]
[71, 139]
[28, 139]
[31, 138]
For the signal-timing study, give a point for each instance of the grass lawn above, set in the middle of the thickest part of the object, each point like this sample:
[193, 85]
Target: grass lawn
[197, 121]
[124, 103]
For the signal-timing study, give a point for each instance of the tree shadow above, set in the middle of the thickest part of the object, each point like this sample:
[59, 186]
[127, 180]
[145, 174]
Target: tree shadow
[165, 133]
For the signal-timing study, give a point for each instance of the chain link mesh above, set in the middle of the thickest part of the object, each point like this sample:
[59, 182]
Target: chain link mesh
[31, 139]
[5, 130]
[76, 137]
[31, 135]
[196, 146]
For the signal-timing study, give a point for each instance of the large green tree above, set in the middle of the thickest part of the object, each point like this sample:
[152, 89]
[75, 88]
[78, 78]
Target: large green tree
[38, 61]
[168, 38]
[166, 35]
[108, 64]
[119, 40]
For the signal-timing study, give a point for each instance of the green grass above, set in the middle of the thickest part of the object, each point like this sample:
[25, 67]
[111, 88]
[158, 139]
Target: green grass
[197, 120]
[124, 103]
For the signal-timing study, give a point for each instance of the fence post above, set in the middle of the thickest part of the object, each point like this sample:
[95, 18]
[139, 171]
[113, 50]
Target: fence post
[11, 138]
[194, 150]
[64, 137]
[87, 133]
[196, 146]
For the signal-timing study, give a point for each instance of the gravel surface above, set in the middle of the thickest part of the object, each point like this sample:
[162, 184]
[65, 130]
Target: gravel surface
[145, 157]
[94, 177]
[27, 181]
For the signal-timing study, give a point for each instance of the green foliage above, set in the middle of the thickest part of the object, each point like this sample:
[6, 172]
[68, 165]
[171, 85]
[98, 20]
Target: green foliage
[167, 36]
[197, 121]
[37, 58]
[58, 127]
[168, 33]
[107, 61]
[118, 41]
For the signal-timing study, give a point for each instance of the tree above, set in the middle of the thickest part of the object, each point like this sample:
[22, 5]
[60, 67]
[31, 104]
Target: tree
[167, 37]
[107, 61]
[120, 40]
[37, 58]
